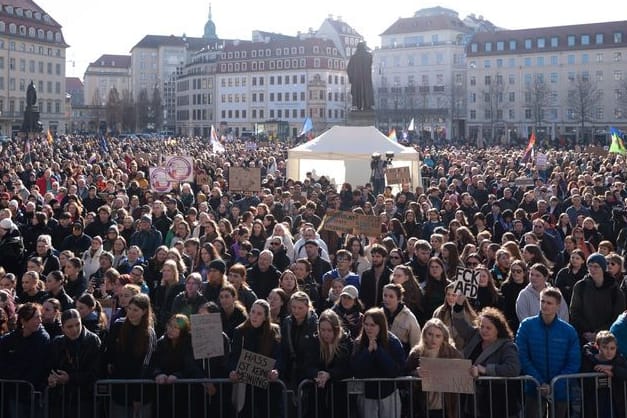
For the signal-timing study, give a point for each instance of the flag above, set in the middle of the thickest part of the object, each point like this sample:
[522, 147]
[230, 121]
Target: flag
[49, 137]
[617, 146]
[532, 142]
[307, 127]
[392, 135]
[104, 147]
[215, 144]
[412, 126]
[27, 154]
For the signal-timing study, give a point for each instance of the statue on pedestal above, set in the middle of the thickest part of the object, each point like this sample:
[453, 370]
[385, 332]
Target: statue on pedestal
[359, 71]
[31, 113]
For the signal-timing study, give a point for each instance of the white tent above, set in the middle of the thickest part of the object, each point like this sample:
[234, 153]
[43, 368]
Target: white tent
[343, 153]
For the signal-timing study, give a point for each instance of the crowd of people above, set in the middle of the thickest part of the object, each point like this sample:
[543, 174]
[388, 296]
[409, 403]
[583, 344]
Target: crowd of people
[99, 276]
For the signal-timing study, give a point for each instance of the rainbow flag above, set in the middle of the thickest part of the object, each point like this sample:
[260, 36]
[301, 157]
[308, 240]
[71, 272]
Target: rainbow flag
[530, 145]
[49, 137]
[392, 135]
[617, 146]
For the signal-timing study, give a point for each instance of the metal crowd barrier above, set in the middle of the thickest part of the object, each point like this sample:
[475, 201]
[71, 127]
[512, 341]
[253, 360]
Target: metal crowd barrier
[186, 398]
[19, 399]
[589, 395]
[505, 397]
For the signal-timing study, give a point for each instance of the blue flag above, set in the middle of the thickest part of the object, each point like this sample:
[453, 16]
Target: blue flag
[307, 126]
[103, 145]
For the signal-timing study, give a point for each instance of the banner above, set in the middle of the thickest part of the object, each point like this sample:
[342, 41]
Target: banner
[444, 375]
[467, 282]
[368, 225]
[253, 368]
[180, 168]
[160, 181]
[207, 340]
[244, 179]
[398, 175]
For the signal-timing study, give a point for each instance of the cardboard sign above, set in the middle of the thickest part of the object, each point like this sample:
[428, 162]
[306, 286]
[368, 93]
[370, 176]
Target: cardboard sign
[398, 175]
[598, 151]
[179, 168]
[524, 181]
[352, 223]
[467, 282]
[244, 179]
[207, 339]
[444, 375]
[339, 221]
[160, 181]
[253, 368]
[368, 225]
[541, 161]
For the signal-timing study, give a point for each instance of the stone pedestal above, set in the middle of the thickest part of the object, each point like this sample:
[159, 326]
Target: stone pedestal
[361, 118]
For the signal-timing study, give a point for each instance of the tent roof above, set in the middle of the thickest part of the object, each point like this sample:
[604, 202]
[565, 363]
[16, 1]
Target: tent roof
[355, 141]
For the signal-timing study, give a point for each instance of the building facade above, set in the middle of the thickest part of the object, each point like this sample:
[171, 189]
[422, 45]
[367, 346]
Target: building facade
[565, 82]
[265, 88]
[32, 48]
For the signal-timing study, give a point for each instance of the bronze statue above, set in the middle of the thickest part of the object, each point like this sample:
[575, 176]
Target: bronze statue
[31, 95]
[359, 71]
[31, 121]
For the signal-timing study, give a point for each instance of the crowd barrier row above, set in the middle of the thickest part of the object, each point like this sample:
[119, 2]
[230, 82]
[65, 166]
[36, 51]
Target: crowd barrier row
[573, 396]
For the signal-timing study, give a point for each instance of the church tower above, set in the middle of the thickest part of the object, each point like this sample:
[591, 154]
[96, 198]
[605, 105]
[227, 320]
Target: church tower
[210, 28]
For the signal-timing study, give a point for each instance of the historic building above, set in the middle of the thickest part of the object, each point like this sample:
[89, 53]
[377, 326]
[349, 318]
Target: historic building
[566, 82]
[32, 48]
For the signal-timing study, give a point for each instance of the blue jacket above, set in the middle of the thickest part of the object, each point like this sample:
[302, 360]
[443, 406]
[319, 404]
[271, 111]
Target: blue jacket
[547, 351]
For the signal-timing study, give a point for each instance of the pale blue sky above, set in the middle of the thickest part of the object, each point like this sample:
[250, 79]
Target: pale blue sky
[96, 27]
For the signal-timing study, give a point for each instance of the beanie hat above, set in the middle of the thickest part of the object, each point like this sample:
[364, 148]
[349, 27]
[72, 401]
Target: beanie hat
[597, 258]
[218, 265]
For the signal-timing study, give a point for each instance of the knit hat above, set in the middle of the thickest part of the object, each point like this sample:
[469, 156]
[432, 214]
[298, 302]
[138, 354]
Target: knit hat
[146, 218]
[597, 258]
[217, 265]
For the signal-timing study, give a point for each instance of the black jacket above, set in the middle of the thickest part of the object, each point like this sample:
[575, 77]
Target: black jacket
[12, 252]
[300, 349]
[371, 293]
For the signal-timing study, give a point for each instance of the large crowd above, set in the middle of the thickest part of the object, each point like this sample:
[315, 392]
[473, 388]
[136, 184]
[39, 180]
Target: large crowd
[99, 276]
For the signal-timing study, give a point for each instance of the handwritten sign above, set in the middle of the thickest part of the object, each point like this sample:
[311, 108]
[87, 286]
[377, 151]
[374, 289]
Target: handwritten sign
[352, 223]
[368, 225]
[398, 175]
[207, 339]
[467, 282]
[253, 368]
[339, 221]
[541, 161]
[180, 168]
[523, 181]
[244, 179]
[444, 375]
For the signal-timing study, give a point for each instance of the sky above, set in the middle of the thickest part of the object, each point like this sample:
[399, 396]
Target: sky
[96, 27]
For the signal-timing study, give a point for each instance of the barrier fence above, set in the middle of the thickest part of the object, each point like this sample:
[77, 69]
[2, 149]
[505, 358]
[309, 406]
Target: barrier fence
[573, 396]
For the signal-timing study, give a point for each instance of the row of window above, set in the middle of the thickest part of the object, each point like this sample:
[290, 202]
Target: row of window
[335, 64]
[267, 53]
[553, 78]
[18, 11]
[550, 42]
[554, 60]
[32, 49]
[21, 84]
[546, 114]
[33, 66]
[46, 105]
[32, 32]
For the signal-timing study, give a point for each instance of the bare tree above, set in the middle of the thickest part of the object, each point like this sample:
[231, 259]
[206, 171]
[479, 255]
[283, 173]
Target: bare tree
[113, 110]
[493, 99]
[621, 97]
[583, 99]
[142, 106]
[156, 108]
[97, 111]
[538, 98]
[128, 111]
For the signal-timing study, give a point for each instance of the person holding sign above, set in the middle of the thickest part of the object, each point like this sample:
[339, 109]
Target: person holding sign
[435, 342]
[257, 335]
[490, 346]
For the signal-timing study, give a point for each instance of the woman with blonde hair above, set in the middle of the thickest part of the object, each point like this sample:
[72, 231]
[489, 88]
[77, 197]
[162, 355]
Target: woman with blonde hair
[435, 342]
[166, 292]
[445, 314]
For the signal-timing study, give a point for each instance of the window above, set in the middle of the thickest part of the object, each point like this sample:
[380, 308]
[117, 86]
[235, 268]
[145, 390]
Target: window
[554, 78]
[527, 43]
[499, 63]
[541, 43]
[599, 75]
[474, 47]
[599, 57]
[618, 37]
[618, 75]
[500, 46]
[555, 42]
[487, 80]
[511, 97]
[488, 47]
[598, 39]
[486, 64]
[618, 56]
[554, 60]
[585, 39]
[571, 59]
[512, 45]
[473, 114]
[585, 59]
[527, 62]
[570, 40]
[540, 61]
[527, 113]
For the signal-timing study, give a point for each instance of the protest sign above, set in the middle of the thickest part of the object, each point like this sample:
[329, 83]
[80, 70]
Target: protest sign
[160, 181]
[368, 225]
[398, 175]
[444, 375]
[244, 179]
[524, 181]
[180, 168]
[207, 340]
[541, 161]
[339, 221]
[253, 368]
[467, 282]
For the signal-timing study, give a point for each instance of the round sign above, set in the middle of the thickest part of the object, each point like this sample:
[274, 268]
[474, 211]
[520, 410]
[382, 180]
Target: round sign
[160, 180]
[179, 168]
